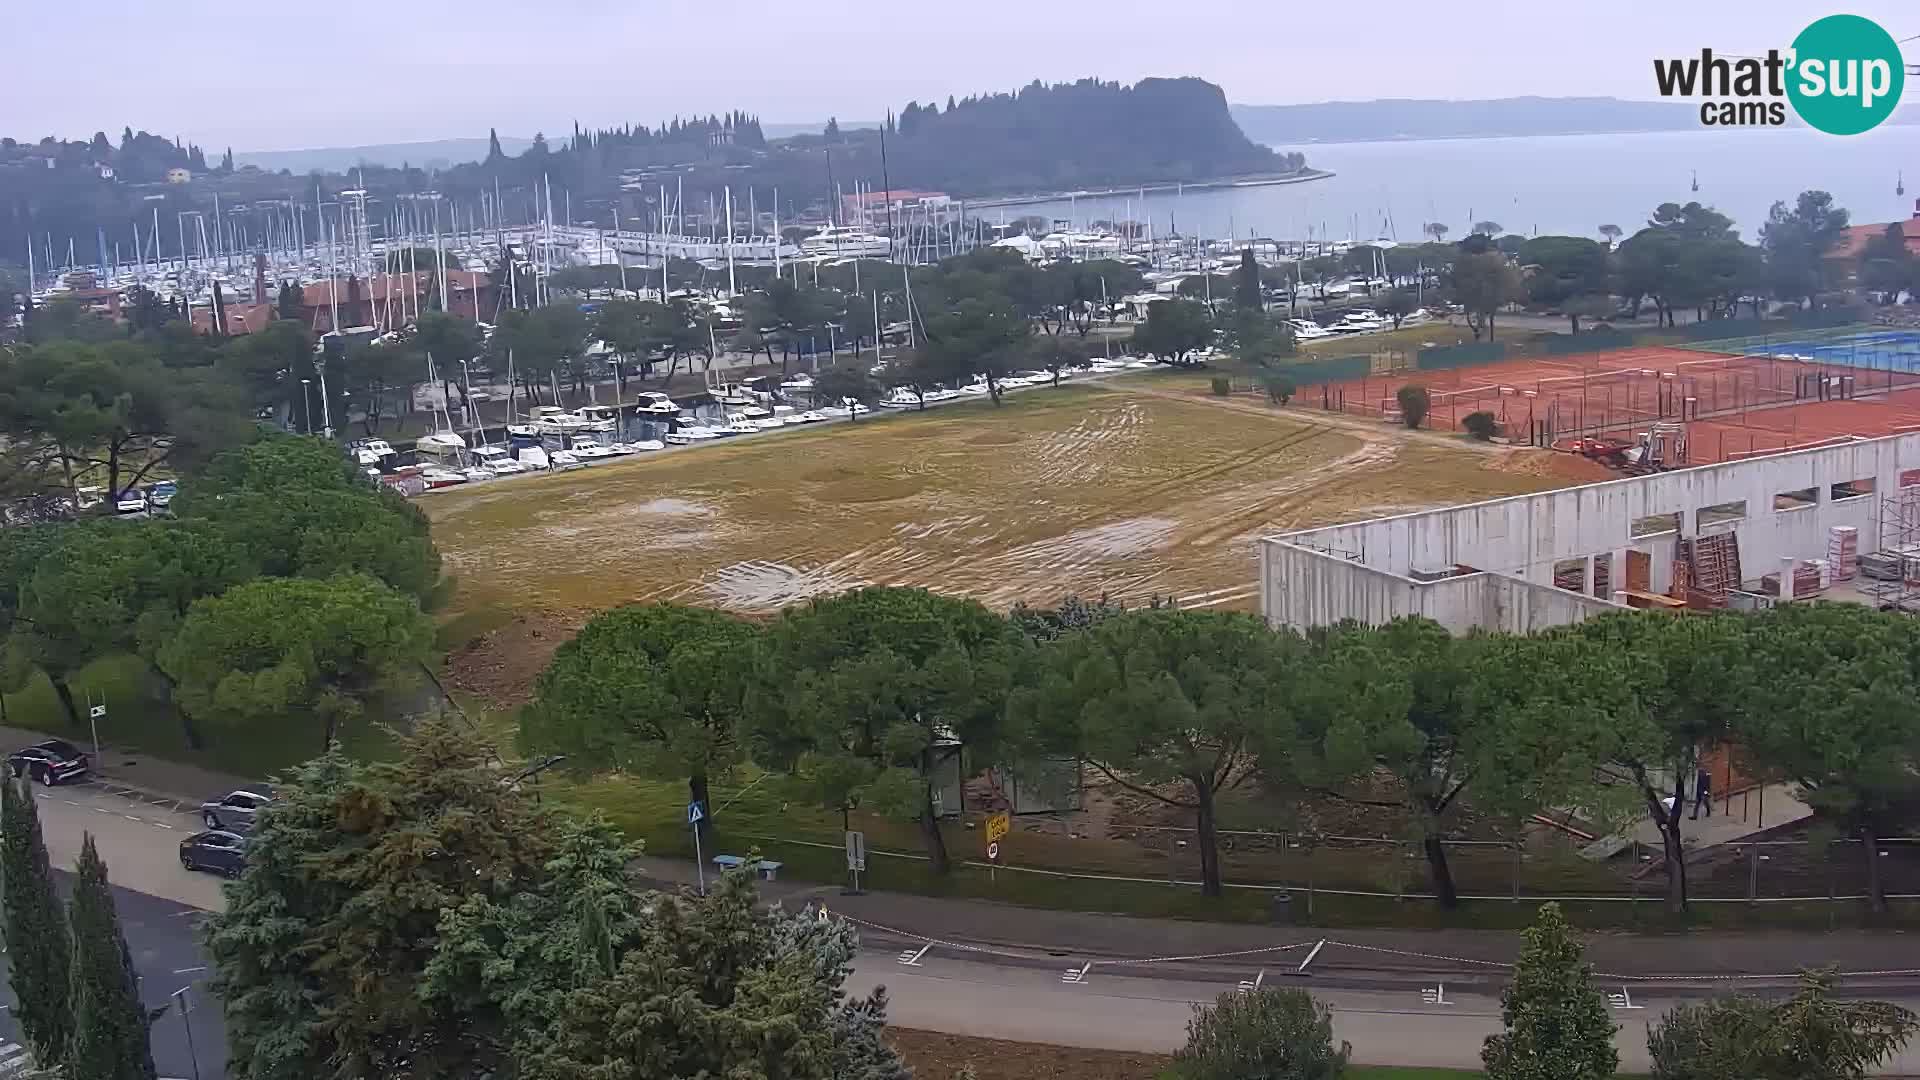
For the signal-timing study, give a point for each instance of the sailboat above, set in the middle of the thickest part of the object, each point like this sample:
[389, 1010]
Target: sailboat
[1900, 183]
[1696, 179]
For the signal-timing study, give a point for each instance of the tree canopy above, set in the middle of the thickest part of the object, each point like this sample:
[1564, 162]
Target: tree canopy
[871, 694]
[1168, 704]
[658, 689]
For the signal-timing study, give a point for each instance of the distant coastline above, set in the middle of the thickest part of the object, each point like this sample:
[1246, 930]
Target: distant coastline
[1255, 180]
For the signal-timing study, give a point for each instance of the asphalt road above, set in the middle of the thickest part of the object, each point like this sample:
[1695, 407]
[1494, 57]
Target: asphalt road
[1421, 1026]
[945, 989]
[167, 954]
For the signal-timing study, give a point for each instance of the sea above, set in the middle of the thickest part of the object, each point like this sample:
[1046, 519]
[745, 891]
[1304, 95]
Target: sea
[1534, 185]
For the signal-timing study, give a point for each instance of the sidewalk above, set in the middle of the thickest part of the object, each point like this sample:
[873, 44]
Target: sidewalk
[1735, 817]
[1065, 934]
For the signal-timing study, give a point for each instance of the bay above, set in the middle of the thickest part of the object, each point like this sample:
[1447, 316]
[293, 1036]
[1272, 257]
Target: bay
[1563, 184]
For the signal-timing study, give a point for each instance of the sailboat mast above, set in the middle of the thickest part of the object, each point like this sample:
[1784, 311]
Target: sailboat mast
[732, 286]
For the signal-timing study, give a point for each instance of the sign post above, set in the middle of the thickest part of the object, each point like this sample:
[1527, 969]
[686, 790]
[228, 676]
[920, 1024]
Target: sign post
[998, 826]
[697, 813]
[94, 713]
[856, 858]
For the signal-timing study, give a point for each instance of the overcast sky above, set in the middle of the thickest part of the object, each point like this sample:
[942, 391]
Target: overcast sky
[268, 76]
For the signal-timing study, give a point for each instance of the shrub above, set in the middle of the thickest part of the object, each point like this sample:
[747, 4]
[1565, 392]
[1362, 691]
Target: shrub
[1414, 403]
[1555, 1024]
[1280, 389]
[1481, 425]
[1264, 1035]
[1222, 386]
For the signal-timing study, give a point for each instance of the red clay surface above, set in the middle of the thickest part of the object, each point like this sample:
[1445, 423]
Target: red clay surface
[1734, 406]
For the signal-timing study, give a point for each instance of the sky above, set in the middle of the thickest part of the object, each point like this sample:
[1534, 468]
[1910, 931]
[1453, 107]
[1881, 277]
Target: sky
[265, 76]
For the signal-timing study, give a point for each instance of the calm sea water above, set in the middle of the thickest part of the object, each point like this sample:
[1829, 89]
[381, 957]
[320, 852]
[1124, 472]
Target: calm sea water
[1568, 184]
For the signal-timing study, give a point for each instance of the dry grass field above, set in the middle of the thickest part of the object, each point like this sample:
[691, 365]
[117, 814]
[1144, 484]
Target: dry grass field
[1138, 488]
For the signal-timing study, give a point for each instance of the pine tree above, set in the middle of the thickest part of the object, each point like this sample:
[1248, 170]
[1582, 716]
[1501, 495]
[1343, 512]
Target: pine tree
[37, 949]
[1557, 1027]
[109, 1039]
[1246, 282]
[493, 145]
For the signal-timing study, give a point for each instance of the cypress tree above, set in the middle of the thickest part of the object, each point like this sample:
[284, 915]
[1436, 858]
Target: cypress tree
[36, 928]
[109, 1039]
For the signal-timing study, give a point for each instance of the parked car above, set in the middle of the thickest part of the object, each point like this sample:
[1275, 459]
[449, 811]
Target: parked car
[162, 493]
[54, 761]
[130, 501]
[236, 811]
[215, 851]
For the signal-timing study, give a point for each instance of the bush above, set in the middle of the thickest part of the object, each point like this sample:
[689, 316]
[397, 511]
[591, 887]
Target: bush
[1555, 1025]
[1265, 1035]
[1481, 425]
[1280, 389]
[1414, 403]
[1222, 386]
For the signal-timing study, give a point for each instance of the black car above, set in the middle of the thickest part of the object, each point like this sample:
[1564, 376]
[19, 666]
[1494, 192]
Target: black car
[55, 761]
[215, 851]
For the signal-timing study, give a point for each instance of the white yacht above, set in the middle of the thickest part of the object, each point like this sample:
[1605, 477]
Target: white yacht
[847, 242]
[600, 419]
[554, 420]
[901, 398]
[799, 384]
[1307, 329]
[655, 403]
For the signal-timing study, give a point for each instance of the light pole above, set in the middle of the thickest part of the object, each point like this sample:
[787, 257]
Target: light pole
[306, 399]
[180, 998]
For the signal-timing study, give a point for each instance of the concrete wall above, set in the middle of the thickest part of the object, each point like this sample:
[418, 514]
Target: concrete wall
[1362, 570]
[1305, 588]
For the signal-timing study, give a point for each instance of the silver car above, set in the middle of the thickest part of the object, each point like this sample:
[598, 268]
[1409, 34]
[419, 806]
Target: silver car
[236, 811]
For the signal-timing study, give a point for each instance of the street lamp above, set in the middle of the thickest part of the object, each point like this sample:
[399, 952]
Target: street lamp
[180, 998]
[306, 398]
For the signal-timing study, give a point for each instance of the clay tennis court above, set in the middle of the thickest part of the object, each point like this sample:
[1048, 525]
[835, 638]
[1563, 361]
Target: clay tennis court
[1733, 404]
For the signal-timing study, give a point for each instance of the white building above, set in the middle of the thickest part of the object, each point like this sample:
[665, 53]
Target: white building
[1493, 564]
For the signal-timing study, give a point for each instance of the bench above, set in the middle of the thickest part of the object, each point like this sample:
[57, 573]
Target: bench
[766, 868]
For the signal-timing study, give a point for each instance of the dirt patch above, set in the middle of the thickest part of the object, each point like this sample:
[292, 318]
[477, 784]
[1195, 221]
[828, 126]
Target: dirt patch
[1129, 491]
[871, 489]
[499, 666]
[935, 1056]
[994, 438]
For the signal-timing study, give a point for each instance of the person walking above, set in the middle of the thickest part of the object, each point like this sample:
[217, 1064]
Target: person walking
[1702, 794]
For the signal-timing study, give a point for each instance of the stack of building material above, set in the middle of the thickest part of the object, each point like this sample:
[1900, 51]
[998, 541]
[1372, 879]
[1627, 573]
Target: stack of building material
[1880, 566]
[1706, 568]
[1843, 551]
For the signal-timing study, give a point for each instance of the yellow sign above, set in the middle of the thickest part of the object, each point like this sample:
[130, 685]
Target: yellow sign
[998, 825]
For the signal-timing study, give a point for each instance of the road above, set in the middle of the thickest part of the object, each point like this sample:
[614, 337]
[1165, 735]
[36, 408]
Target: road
[946, 989]
[161, 934]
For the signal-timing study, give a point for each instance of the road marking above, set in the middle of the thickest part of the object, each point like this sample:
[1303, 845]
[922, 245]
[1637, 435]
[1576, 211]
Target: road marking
[1623, 1000]
[911, 958]
[1250, 986]
[1435, 995]
[1077, 975]
[188, 971]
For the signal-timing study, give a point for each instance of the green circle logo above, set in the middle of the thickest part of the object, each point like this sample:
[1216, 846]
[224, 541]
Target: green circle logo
[1846, 74]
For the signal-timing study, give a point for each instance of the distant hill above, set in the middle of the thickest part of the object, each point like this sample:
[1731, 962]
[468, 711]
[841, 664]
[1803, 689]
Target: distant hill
[777, 130]
[436, 154]
[446, 153]
[1376, 121]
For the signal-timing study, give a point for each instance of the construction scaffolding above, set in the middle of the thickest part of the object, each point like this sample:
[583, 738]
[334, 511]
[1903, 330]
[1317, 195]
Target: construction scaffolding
[1891, 573]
